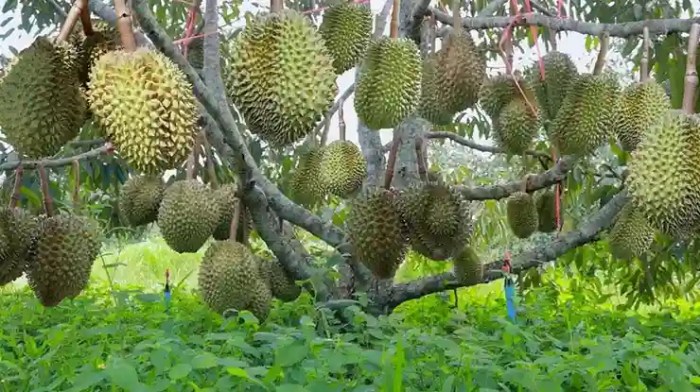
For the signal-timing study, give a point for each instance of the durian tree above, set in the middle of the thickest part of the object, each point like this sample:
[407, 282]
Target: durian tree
[256, 104]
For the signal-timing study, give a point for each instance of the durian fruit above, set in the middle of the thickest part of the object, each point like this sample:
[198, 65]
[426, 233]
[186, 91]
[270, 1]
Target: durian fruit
[145, 106]
[546, 211]
[226, 201]
[281, 76]
[559, 72]
[342, 168]
[389, 87]
[305, 183]
[642, 105]
[375, 232]
[140, 198]
[497, 91]
[587, 116]
[431, 106]
[92, 47]
[227, 275]
[63, 252]
[346, 30]
[461, 71]
[664, 176]
[187, 215]
[17, 228]
[282, 285]
[41, 104]
[468, 267]
[517, 125]
[261, 302]
[632, 235]
[522, 216]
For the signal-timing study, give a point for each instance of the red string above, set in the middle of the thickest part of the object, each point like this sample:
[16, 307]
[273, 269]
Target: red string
[506, 262]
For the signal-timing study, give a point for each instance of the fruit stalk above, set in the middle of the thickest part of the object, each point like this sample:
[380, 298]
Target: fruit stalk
[75, 166]
[234, 221]
[394, 27]
[192, 160]
[85, 18]
[600, 61]
[456, 15]
[124, 25]
[71, 19]
[691, 74]
[276, 6]
[644, 63]
[14, 199]
[420, 158]
[44, 183]
[211, 172]
[391, 162]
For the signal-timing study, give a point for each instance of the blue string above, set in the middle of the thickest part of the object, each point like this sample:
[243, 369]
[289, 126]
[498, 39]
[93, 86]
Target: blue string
[510, 298]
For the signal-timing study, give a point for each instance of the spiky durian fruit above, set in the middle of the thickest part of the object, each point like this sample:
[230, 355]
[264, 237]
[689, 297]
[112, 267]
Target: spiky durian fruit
[281, 76]
[497, 91]
[92, 47]
[516, 126]
[642, 105]
[587, 116]
[546, 211]
[375, 231]
[431, 106]
[462, 70]
[261, 302]
[226, 275]
[187, 215]
[41, 104]
[467, 267]
[522, 214]
[389, 86]
[140, 198]
[559, 72]
[17, 228]
[632, 235]
[664, 177]
[282, 285]
[146, 107]
[63, 252]
[305, 184]
[226, 200]
[342, 168]
[346, 30]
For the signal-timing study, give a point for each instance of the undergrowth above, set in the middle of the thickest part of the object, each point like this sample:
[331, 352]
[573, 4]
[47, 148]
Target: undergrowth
[122, 336]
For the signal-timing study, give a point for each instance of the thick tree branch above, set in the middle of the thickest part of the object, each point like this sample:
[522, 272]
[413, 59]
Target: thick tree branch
[211, 71]
[587, 232]
[543, 180]
[58, 162]
[623, 30]
[475, 146]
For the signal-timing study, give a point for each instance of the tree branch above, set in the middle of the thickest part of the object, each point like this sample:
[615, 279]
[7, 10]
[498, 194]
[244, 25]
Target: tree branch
[543, 180]
[338, 103]
[475, 146]
[623, 30]
[587, 232]
[106, 13]
[107, 148]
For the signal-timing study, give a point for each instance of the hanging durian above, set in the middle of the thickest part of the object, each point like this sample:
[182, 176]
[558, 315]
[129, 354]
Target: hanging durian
[559, 73]
[140, 198]
[346, 29]
[642, 105]
[342, 168]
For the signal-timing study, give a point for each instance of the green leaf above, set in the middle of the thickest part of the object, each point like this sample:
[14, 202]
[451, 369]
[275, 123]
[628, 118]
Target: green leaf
[205, 361]
[181, 370]
[122, 374]
[291, 354]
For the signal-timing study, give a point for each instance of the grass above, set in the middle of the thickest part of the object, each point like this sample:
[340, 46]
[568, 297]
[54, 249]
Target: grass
[121, 337]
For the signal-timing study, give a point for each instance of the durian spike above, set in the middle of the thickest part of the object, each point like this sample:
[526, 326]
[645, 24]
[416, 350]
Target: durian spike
[234, 221]
[44, 183]
[391, 162]
[14, 199]
[644, 63]
[126, 32]
[209, 153]
[75, 166]
[457, 15]
[602, 54]
[394, 26]
[192, 160]
[71, 19]
[420, 158]
[691, 74]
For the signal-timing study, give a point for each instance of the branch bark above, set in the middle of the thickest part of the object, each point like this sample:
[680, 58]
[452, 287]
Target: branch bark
[27, 165]
[623, 30]
[475, 146]
[586, 233]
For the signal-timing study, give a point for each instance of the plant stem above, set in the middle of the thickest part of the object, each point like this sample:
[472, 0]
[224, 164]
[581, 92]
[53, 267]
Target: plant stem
[602, 54]
[691, 73]
[644, 63]
[420, 157]
[71, 19]
[391, 162]
[76, 184]
[44, 183]
[394, 26]
[14, 199]
[126, 32]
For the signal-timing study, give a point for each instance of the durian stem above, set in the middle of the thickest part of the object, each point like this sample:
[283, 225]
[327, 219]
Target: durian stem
[525, 183]
[85, 19]
[457, 14]
[76, 184]
[341, 122]
[394, 26]
[126, 32]
[244, 229]
[644, 64]
[233, 230]
[691, 73]
[193, 158]
[276, 6]
[420, 158]
[209, 153]
[71, 19]
[391, 162]
[44, 183]
[602, 54]
[14, 199]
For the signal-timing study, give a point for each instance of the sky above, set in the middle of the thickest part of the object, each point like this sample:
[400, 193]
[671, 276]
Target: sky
[570, 43]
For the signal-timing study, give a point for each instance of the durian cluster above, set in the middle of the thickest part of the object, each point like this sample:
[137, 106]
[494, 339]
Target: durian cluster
[527, 213]
[56, 253]
[338, 168]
